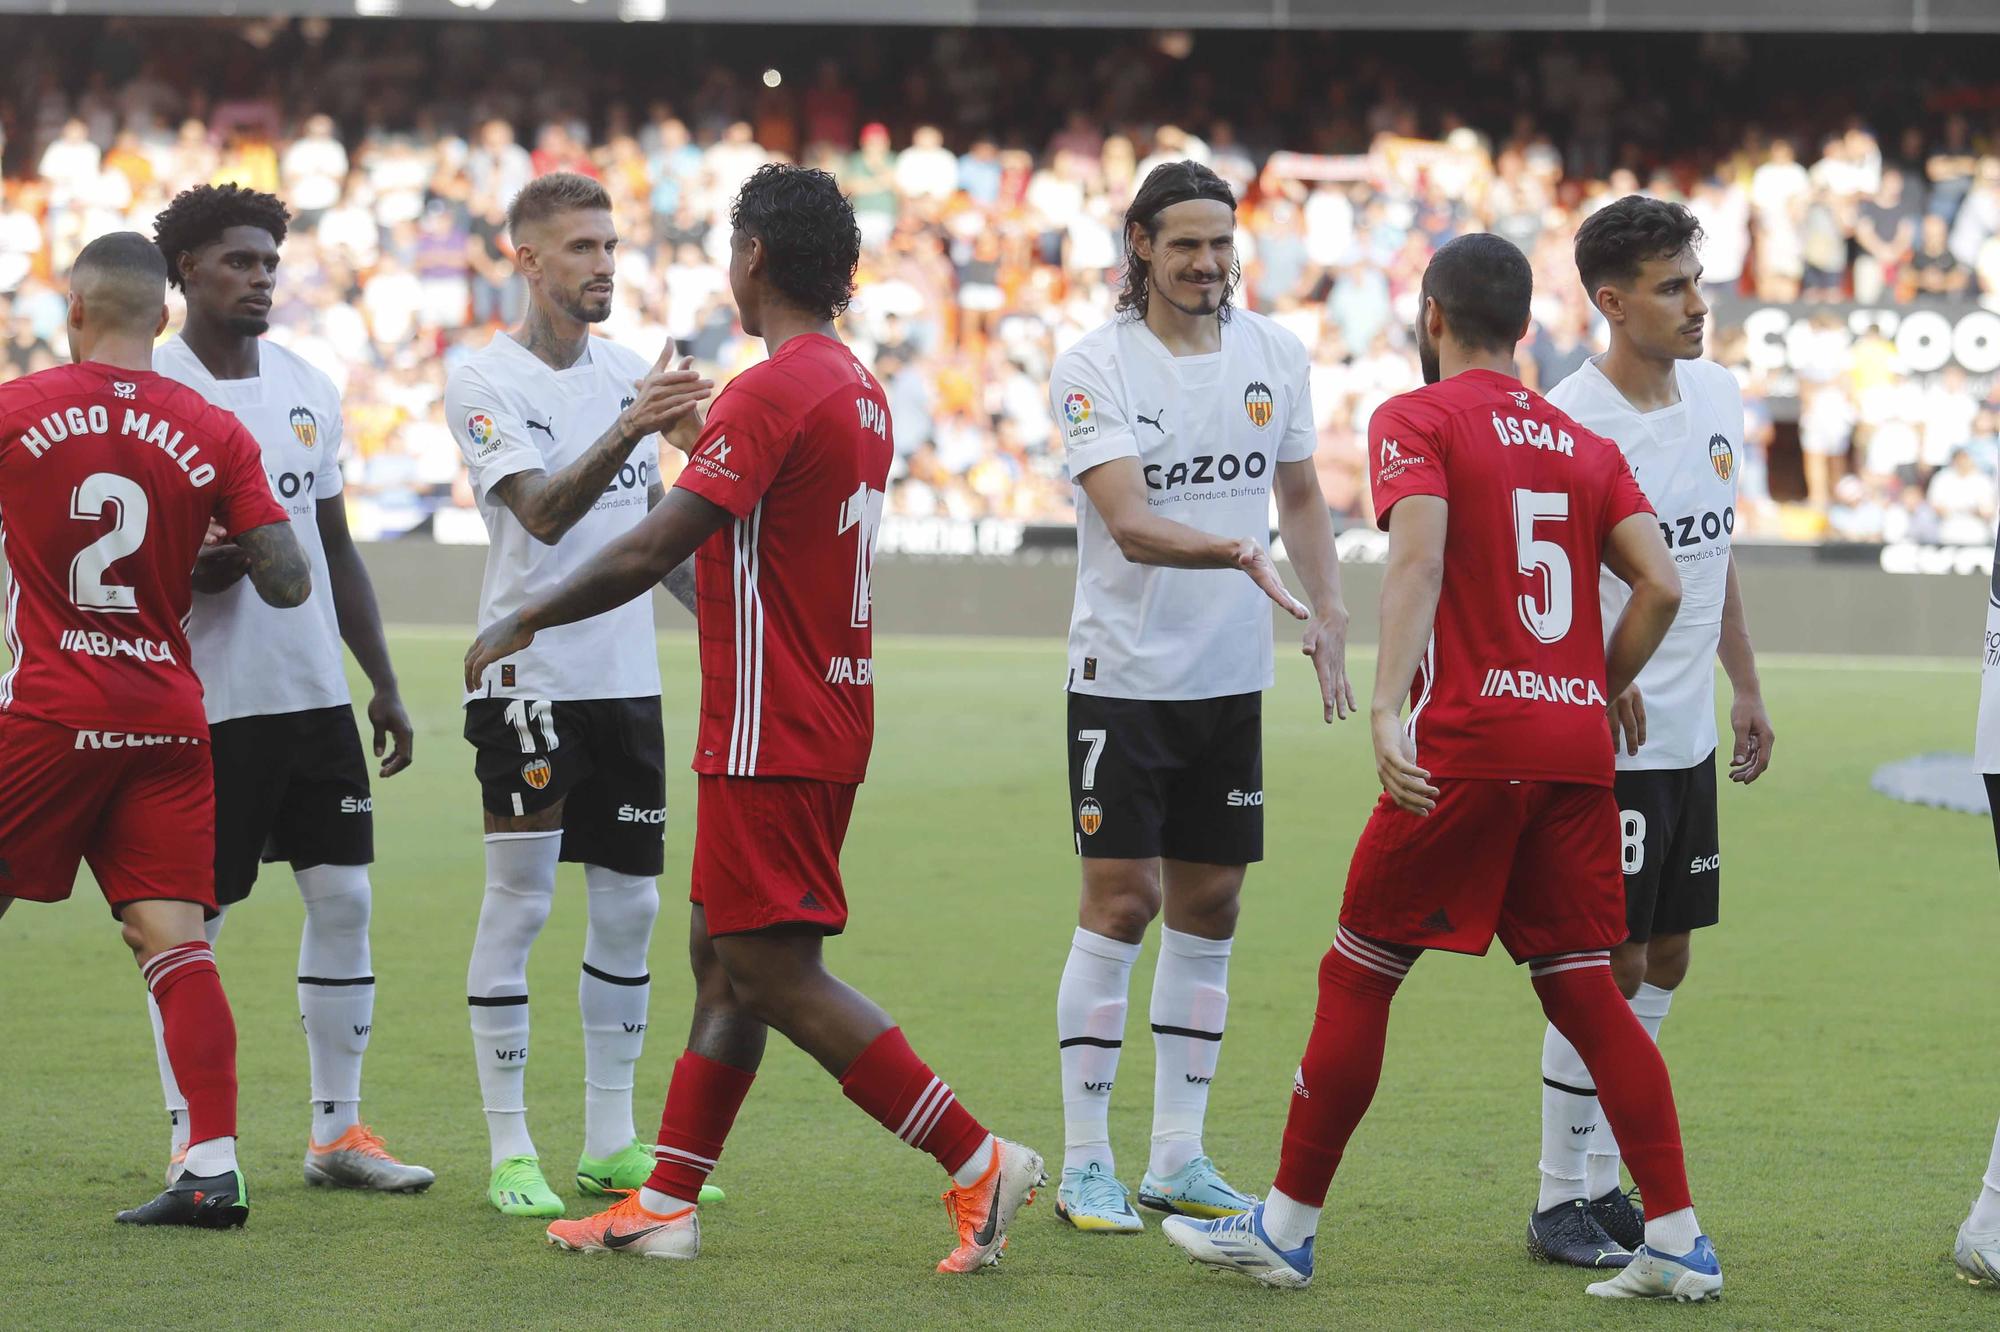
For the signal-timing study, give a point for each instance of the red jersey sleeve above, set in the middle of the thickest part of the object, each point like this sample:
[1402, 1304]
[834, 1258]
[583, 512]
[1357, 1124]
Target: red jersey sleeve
[741, 448]
[244, 500]
[1622, 497]
[1405, 456]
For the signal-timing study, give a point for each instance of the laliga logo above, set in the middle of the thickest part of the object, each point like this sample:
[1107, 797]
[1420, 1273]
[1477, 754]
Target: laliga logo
[1076, 408]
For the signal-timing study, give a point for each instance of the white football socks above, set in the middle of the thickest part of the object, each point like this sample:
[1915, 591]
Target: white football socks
[214, 1156]
[170, 1087]
[1986, 1209]
[612, 992]
[1650, 1006]
[520, 886]
[1569, 1122]
[336, 992]
[1090, 1030]
[1288, 1222]
[1190, 1001]
[976, 1165]
[1673, 1234]
[662, 1204]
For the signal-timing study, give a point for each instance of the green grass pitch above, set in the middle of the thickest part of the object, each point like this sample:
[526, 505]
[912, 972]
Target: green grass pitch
[1831, 1051]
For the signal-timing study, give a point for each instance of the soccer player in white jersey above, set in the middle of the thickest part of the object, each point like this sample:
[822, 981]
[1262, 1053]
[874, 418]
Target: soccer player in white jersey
[1181, 418]
[1679, 421]
[291, 781]
[558, 429]
[1977, 1252]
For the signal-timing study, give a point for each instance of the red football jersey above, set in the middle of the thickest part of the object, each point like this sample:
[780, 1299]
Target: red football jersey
[798, 449]
[1512, 684]
[108, 478]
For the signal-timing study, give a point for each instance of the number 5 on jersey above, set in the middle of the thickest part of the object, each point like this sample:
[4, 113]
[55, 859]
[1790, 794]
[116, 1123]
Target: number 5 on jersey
[1548, 622]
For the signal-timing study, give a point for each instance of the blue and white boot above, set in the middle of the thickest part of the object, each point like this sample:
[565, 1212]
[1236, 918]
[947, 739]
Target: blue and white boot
[1238, 1244]
[1651, 1275]
[1197, 1189]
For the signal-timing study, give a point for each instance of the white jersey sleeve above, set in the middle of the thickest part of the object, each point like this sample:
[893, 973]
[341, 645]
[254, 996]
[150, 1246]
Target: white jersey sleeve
[1089, 410]
[1986, 741]
[333, 436]
[1301, 438]
[492, 437]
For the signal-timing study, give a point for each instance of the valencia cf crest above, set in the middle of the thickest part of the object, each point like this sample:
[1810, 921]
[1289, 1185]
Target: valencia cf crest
[536, 772]
[306, 426]
[1721, 457]
[1257, 404]
[1089, 816]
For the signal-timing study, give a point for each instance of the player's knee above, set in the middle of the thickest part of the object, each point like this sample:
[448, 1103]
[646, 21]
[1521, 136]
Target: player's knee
[1120, 907]
[135, 938]
[1666, 962]
[511, 918]
[341, 906]
[621, 906]
[1628, 967]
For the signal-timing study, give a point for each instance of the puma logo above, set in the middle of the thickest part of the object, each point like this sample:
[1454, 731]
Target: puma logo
[1153, 420]
[548, 430]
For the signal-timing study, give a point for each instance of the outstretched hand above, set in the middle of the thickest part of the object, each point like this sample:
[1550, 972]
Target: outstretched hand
[1254, 560]
[1326, 643]
[503, 638]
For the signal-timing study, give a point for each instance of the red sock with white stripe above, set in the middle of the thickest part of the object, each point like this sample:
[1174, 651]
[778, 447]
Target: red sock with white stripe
[1336, 1078]
[200, 1036]
[1583, 1002]
[899, 1091]
[702, 1100]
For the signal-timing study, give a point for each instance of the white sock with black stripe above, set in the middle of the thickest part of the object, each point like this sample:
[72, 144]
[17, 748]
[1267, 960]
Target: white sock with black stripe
[1190, 1001]
[336, 992]
[1570, 1121]
[1090, 1033]
[612, 993]
[520, 887]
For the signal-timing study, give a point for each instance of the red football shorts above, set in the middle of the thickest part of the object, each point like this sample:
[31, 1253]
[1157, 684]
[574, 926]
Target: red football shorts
[767, 852]
[141, 814]
[1536, 863]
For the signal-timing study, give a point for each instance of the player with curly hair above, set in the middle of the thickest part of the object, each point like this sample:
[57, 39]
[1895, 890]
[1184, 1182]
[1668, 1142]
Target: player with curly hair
[291, 781]
[779, 502]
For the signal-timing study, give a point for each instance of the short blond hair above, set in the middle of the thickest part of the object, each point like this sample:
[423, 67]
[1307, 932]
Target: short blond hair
[546, 196]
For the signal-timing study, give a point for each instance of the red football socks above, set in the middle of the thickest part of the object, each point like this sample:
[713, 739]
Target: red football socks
[899, 1091]
[1583, 1002]
[200, 1035]
[1342, 1062]
[702, 1100]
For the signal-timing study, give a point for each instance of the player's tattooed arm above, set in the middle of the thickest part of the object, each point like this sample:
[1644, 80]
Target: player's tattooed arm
[278, 567]
[679, 581]
[548, 504]
[624, 569]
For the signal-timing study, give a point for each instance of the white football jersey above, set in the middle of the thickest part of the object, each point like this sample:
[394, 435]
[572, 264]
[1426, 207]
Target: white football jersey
[1208, 432]
[511, 413]
[256, 659]
[1986, 743]
[1685, 458]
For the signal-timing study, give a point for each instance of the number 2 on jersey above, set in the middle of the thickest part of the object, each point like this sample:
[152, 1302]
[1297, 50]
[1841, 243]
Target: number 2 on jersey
[1548, 622]
[87, 503]
[862, 512]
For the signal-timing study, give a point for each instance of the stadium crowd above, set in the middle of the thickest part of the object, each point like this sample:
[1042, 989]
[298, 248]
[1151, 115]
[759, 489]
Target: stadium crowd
[990, 218]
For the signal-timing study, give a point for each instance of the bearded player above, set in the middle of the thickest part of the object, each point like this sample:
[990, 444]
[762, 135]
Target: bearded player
[1678, 419]
[781, 498]
[557, 428]
[110, 476]
[1497, 817]
[1185, 422]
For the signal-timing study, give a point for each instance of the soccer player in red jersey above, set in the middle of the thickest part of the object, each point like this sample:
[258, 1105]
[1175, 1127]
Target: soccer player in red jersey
[110, 477]
[779, 503]
[1498, 816]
